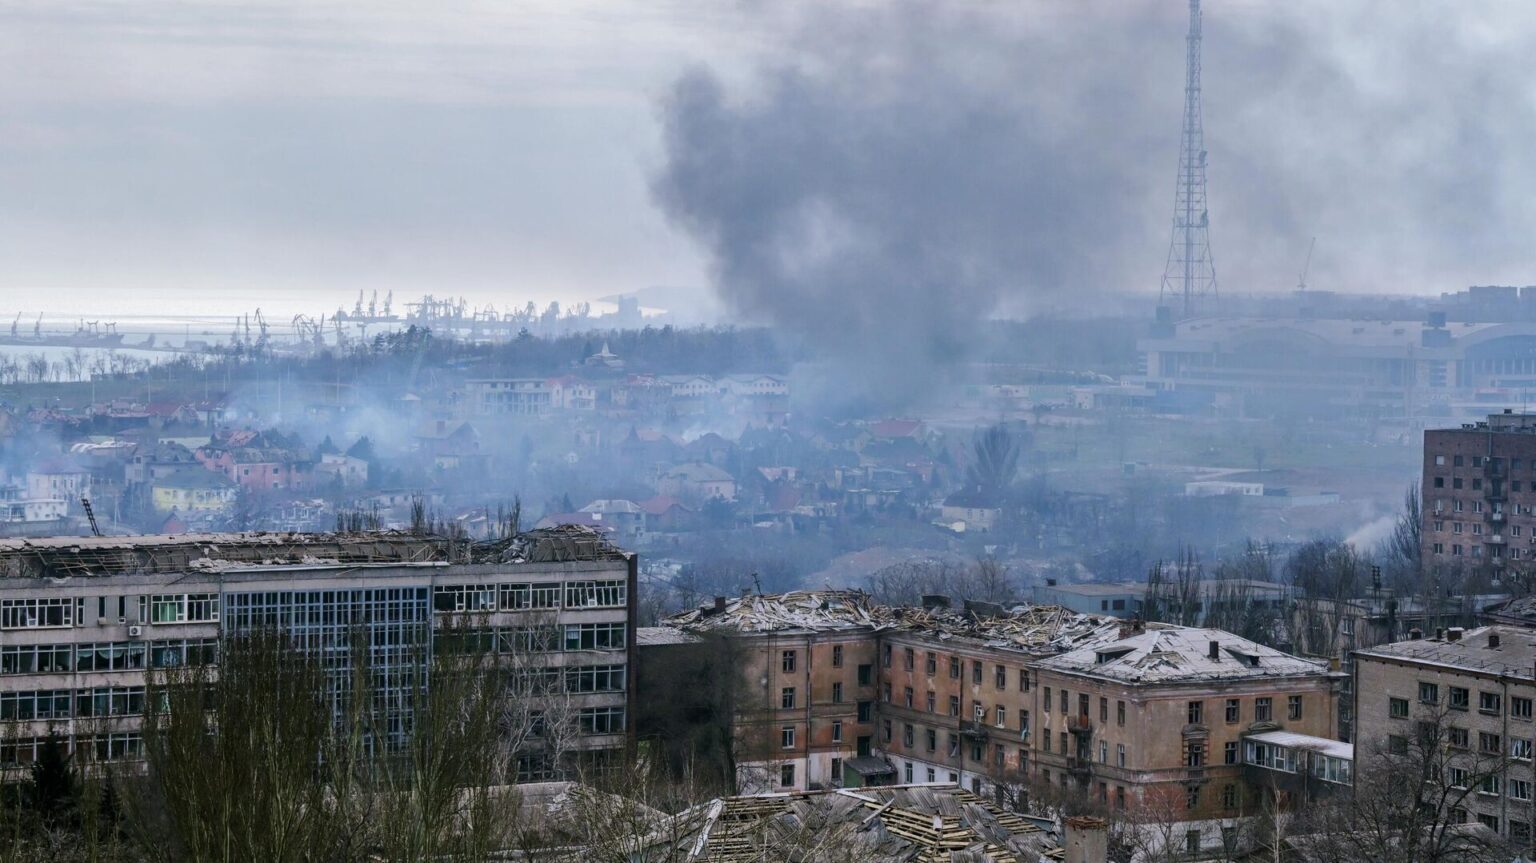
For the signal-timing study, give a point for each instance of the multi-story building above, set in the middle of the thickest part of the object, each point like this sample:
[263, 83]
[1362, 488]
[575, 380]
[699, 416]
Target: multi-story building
[1157, 719]
[1479, 495]
[509, 396]
[85, 622]
[1474, 689]
[844, 692]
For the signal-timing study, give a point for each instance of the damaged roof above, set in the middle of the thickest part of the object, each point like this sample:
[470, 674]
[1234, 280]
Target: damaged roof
[1024, 627]
[897, 823]
[87, 556]
[1177, 653]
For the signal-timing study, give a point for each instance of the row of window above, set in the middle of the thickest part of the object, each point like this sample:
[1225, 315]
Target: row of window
[956, 667]
[586, 593]
[106, 656]
[117, 746]
[101, 701]
[516, 640]
[1460, 698]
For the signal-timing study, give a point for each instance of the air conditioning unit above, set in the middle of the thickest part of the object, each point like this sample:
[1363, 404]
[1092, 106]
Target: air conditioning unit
[135, 632]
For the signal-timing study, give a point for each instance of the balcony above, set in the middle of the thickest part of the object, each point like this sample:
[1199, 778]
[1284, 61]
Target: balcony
[1080, 724]
[1493, 517]
[975, 730]
[1079, 766]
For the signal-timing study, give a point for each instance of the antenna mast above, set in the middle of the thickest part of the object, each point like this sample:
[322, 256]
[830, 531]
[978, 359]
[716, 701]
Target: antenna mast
[1190, 275]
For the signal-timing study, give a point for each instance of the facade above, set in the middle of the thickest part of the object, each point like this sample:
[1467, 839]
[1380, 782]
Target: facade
[1350, 367]
[202, 492]
[1476, 689]
[85, 621]
[1479, 495]
[960, 696]
[509, 397]
[1157, 720]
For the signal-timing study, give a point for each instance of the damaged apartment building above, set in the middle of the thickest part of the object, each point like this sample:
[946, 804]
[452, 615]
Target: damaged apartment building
[87, 622]
[839, 692]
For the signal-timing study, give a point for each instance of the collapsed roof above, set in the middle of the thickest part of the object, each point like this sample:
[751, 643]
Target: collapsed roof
[87, 556]
[1024, 627]
[1178, 653]
[899, 823]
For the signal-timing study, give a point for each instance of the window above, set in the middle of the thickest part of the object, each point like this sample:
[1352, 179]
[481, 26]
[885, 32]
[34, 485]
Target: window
[931, 738]
[1397, 708]
[1000, 677]
[190, 608]
[954, 745]
[1229, 752]
[906, 696]
[906, 734]
[1461, 699]
[885, 657]
[601, 720]
[786, 776]
[954, 667]
[866, 712]
[1103, 752]
[1520, 831]
[57, 658]
[1489, 702]
[1261, 709]
[954, 705]
[837, 770]
[1489, 786]
[1397, 744]
[1047, 699]
[1234, 710]
[1002, 717]
[1023, 680]
[1195, 712]
[27, 705]
[1194, 754]
[594, 636]
[885, 692]
[976, 671]
[787, 698]
[110, 701]
[1456, 776]
[1192, 801]
[1519, 708]
[1520, 748]
[1119, 796]
[787, 737]
[597, 594]
[906, 659]
[1519, 789]
[1293, 707]
[1458, 737]
[1045, 741]
[1120, 754]
[931, 701]
[866, 675]
[595, 678]
[932, 665]
[976, 753]
[1024, 723]
[1103, 709]
[837, 692]
[1229, 796]
[837, 731]
[788, 662]
[837, 656]
[49, 613]
[908, 773]
[885, 730]
[1489, 821]
[1429, 693]
[1439, 459]
[1120, 713]
[1491, 744]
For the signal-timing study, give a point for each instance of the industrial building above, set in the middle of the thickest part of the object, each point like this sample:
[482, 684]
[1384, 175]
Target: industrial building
[86, 622]
[1339, 367]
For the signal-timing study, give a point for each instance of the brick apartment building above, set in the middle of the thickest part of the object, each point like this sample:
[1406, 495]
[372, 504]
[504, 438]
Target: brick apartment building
[952, 695]
[1479, 490]
[1477, 687]
[84, 621]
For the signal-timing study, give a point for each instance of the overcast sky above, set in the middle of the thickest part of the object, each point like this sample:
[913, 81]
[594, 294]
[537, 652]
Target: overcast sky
[218, 155]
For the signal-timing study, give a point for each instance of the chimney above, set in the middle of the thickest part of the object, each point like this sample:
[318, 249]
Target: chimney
[719, 605]
[1493, 640]
[1086, 839]
[1215, 652]
[1454, 633]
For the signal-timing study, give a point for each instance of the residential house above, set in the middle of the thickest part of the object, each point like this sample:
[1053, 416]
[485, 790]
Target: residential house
[697, 482]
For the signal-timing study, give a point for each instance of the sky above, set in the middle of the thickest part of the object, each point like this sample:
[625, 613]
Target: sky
[215, 156]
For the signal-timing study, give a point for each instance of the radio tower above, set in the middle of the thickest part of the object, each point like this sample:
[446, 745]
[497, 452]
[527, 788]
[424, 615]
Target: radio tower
[1190, 276]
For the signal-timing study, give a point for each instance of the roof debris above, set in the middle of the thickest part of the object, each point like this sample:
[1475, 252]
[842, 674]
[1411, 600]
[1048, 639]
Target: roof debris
[1025, 627]
[898, 823]
[1175, 653]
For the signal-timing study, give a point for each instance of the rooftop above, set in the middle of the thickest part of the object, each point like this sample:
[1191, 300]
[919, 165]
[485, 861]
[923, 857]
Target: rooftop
[1174, 654]
[1035, 628]
[1508, 651]
[1292, 740]
[896, 823]
[65, 556]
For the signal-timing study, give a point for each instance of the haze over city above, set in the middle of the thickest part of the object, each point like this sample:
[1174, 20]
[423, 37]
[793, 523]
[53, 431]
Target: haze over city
[829, 432]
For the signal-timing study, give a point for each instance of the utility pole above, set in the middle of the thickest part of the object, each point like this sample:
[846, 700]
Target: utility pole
[1189, 278]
